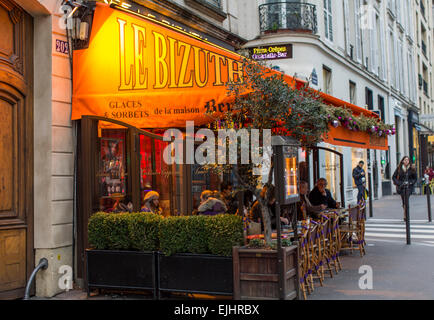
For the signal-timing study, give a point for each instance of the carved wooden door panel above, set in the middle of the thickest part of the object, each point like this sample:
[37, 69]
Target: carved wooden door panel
[16, 149]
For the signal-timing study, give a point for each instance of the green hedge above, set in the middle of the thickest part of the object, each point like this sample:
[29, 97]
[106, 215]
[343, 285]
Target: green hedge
[225, 231]
[124, 231]
[143, 229]
[150, 232]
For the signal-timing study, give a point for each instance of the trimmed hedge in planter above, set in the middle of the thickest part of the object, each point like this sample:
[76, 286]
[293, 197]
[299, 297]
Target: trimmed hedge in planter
[150, 232]
[124, 231]
[201, 234]
[183, 253]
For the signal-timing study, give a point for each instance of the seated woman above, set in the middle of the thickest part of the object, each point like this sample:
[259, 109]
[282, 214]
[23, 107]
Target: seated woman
[320, 195]
[255, 211]
[210, 205]
[152, 203]
[310, 210]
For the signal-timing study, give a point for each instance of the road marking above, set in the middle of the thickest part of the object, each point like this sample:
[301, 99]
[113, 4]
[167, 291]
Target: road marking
[387, 229]
[401, 236]
[394, 230]
[396, 226]
[393, 220]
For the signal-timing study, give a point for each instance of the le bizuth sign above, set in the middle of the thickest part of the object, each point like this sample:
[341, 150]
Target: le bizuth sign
[150, 74]
[271, 52]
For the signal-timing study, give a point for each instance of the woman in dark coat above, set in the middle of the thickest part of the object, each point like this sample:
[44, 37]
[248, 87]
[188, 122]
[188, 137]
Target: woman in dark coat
[404, 179]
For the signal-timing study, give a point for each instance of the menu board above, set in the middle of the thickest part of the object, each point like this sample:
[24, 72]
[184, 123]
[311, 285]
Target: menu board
[290, 173]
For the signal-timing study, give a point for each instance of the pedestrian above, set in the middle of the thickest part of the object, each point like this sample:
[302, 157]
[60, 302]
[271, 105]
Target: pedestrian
[428, 174]
[404, 179]
[360, 179]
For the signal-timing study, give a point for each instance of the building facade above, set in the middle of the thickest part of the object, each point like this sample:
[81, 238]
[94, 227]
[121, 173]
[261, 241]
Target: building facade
[424, 16]
[360, 51]
[363, 52]
[38, 139]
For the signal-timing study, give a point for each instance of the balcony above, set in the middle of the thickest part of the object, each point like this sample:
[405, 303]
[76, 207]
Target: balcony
[288, 16]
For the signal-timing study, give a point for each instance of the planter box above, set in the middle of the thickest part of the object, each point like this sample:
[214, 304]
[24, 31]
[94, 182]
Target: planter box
[113, 269]
[256, 273]
[195, 273]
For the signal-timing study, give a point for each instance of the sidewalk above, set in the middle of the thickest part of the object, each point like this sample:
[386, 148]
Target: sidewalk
[400, 271]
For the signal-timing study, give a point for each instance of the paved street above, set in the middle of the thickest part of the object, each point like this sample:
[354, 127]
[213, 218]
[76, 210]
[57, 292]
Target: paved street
[399, 271]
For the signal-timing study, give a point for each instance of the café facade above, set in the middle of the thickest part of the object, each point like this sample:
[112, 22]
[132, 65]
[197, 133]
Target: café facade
[136, 75]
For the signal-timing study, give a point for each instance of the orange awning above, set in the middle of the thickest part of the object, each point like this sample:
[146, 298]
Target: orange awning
[153, 75]
[149, 74]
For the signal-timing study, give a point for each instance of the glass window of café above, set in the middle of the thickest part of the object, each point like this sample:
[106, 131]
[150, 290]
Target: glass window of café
[129, 162]
[119, 164]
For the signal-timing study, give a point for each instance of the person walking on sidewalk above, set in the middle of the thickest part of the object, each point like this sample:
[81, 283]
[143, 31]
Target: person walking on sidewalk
[404, 179]
[359, 180]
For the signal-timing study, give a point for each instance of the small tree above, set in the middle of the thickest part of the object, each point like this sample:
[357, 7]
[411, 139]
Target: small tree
[264, 100]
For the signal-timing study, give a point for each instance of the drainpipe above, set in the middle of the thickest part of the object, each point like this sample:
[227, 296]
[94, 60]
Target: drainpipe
[43, 264]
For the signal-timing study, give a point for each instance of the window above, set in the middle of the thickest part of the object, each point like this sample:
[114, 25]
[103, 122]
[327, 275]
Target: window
[369, 99]
[328, 20]
[353, 93]
[392, 69]
[358, 32]
[381, 108]
[327, 80]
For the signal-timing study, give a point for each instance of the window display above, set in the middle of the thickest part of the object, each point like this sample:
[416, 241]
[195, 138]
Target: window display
[112, 169]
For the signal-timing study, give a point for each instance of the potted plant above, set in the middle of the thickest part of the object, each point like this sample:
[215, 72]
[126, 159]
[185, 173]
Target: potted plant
[123, 251]
[195, 254]
[143, 251]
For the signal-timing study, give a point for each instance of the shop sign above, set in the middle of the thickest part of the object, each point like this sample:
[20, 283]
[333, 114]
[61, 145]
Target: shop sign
[314, 77]
[272, 52]
[151, 75]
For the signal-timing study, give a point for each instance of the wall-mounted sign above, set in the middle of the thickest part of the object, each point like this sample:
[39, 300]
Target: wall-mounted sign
[272, 52]
[62, 46]
[314, 77]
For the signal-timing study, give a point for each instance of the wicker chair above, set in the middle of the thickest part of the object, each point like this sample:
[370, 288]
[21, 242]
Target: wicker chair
[351, 232]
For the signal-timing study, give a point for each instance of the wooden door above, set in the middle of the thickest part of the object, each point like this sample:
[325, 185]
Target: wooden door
[16, 149]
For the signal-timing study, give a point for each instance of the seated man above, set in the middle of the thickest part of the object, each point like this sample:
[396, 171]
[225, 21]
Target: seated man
[228, 197]
[320, 195]
[305, 204]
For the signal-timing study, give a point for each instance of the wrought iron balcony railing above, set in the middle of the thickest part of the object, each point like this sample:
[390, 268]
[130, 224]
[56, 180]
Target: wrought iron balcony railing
[289, 16]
